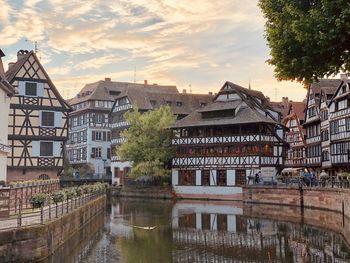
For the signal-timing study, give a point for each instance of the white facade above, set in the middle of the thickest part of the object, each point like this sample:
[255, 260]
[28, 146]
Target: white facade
[4, 148]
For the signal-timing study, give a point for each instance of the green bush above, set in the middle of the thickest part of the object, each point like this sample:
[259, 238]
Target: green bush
[58, 197]
[39, 200]
[70, 193]
[78, 191]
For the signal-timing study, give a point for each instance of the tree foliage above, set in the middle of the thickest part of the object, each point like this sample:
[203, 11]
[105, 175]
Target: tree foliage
[309, 39]
[148, 141]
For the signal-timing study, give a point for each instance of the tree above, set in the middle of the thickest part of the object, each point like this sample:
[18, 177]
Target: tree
[148, 141]
[309, 39]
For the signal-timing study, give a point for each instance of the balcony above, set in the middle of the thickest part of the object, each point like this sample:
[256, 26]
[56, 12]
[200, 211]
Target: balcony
[224, 139]
[118, 140]
[120, 124]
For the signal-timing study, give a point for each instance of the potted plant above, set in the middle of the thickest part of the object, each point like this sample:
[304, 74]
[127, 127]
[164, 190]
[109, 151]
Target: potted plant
[38, 200]
[58, 197]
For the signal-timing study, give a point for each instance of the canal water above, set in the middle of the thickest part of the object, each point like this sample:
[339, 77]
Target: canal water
[139, 230]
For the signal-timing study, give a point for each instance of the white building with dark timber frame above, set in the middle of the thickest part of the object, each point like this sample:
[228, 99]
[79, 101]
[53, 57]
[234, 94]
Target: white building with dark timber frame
[6, 92]
[38, 122]
[220, 145]
[339, 122]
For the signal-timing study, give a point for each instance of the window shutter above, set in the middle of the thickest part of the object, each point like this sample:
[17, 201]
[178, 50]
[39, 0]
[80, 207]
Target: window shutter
[104, 136]
[108, 136]
[93, 135]
[56, 149]
[58, 119]
[35, 148]
[93, 152]
[21, 88]
[108, 153]
[40, 89]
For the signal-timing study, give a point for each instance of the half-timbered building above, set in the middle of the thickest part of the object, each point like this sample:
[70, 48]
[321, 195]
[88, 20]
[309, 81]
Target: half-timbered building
[6, 92]
[295, 136]
[316, 123]
[339, 123]
[145, 98]
[38, 121]
[89, 141]
[218, 146]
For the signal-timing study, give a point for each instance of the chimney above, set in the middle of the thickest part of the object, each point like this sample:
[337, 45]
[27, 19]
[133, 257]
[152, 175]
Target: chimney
[145, 82]
[21, 53]
[210, 93]
[107, 79]
[10, 65]
[343, 76]
[184, 91]
[285, 100]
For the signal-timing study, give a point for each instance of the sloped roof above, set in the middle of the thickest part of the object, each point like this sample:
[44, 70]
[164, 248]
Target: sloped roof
[221, 105]
[100, 90]
[150, 98]
[4, 85]
[244, 115]
[298, 108]
[12, 71]
[253, 112]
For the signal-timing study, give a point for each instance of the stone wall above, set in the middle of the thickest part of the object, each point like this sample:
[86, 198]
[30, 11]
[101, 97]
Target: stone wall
[332, 199]
[143, 192]
[323, 219]
[33, 243]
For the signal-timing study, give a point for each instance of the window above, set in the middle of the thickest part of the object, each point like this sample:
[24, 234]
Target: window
[47, 118]
[205, 177]
[221, 178]
[98, 136]
[179, 103]
[31, 89]
[188, 221]
[168, 102]
[46, 148]
[153, 103]
[96, 152]
[347, 124]
[240, 177]
[205, 221]
[222, 222]
[114, 92]
[108, 153]
[187, 177]
[99, 118]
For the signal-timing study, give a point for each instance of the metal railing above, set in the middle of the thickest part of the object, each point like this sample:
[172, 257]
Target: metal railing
[331, 182]
[30, 217]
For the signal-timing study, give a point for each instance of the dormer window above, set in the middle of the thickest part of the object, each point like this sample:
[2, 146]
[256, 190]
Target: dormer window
[31, 89]
[343, 89]
[168, 102]
[153, 103]
[179, 103]
[203, 104]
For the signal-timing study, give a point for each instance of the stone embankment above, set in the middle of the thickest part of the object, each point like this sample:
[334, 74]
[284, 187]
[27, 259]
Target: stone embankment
[35, 243]
[331, 199]
[143, 192]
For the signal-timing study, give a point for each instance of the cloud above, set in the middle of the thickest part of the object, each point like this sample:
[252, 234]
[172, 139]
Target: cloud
[198, 42]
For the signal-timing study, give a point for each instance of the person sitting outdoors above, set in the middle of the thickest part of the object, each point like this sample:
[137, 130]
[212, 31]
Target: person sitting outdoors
[257, 177]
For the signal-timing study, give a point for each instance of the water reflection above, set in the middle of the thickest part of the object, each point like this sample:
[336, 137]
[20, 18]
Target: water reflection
[139, 230]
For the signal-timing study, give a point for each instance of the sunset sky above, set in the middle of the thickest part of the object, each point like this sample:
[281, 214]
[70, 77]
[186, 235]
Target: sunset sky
[197, 44]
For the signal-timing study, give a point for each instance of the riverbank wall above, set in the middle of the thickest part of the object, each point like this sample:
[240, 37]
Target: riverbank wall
[154, 192]
[330, 199]
[35, 243]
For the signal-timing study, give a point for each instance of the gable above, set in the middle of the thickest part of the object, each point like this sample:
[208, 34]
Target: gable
[29, 69]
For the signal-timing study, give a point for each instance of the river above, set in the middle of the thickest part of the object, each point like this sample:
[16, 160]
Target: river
[139, 230]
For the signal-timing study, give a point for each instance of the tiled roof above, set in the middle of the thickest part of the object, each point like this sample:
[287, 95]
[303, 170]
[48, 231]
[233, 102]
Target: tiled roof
[243, 116]
[246, 108]
[4, 85]
[100, 90]
[299, 109]
[150, 98]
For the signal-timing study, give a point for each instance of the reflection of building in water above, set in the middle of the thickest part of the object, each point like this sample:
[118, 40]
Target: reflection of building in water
[221, 233]
[119, 225]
